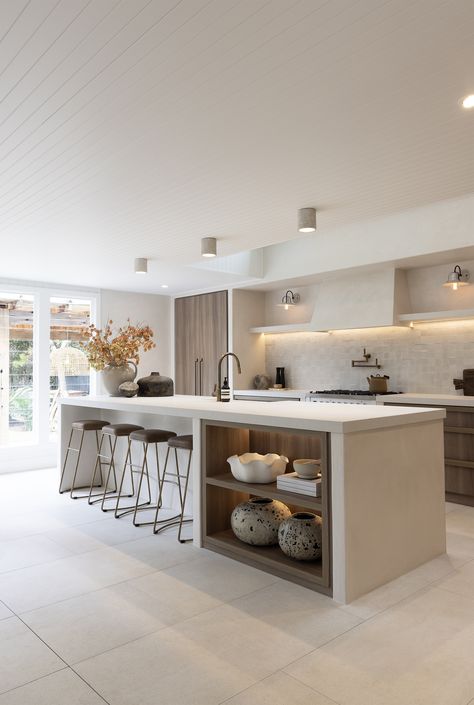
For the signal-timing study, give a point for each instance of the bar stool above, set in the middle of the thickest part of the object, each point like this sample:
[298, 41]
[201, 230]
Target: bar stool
[115, 431]
[185, 443]
[82, 427]
[147, 437]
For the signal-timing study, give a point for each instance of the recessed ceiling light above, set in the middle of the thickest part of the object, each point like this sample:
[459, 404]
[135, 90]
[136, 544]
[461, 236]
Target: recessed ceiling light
[164, 286]
[468, 101]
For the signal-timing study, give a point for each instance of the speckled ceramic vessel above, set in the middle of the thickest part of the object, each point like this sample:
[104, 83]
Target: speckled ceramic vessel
[256, 521]
[300, 536]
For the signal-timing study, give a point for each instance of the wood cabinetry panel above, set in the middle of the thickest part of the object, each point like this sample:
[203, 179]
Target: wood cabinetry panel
[458, 453]
[200, 339]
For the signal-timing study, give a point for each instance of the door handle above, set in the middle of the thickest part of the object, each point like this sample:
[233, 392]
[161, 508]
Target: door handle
[200, 376]
[196, 376]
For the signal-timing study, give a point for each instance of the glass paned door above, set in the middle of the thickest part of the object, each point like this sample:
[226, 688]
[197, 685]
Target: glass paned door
[69, 373]
[16, 369]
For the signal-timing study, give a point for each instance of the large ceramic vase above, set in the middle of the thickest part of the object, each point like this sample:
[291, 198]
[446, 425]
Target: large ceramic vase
[155, 385]
[256, 521]
[300, 536]
[114, 375]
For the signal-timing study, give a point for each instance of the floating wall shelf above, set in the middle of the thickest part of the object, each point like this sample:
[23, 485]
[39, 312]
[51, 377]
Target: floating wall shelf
[436, 316]
[286, 328]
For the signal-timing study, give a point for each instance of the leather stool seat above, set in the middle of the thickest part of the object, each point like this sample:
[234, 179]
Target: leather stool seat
[152, 435]
[89, 425]
[121, 429]
[185, 442]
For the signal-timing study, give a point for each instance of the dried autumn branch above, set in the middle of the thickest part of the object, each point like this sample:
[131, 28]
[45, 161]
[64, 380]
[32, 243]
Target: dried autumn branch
[104, 348]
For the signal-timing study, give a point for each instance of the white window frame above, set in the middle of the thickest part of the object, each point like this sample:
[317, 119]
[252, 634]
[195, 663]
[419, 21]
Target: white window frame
[41, 452]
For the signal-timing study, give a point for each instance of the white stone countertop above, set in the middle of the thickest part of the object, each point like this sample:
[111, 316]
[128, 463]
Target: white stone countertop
[336, 418]
[427, 398]
[283, 393]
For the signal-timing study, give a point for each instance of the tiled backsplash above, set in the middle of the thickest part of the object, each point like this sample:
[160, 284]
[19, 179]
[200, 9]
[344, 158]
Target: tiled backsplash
[425, 358]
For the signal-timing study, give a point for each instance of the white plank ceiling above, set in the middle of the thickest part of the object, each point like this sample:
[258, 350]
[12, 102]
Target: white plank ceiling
[135, 127]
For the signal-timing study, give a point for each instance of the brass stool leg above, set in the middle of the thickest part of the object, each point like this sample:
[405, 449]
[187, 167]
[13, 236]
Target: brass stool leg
[143, 472]
[73, 484]
[121, 511]
[170, 521]
[183, 503]
[146, 470]
[111, 469]
[65, 461]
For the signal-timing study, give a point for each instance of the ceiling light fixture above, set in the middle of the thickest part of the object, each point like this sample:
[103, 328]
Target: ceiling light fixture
[208, 247]
[307, 220]
[141, 265]
[468, 101]
[457, 278]
[164, 286]
[289, 299]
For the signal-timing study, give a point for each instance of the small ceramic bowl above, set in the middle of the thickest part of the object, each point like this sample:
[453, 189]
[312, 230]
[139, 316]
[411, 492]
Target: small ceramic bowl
[307, 468]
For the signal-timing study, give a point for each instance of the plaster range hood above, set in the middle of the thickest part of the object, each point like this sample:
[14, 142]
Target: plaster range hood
[368, 300]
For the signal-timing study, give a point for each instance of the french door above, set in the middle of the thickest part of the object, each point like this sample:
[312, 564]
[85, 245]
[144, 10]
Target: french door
[40, 360]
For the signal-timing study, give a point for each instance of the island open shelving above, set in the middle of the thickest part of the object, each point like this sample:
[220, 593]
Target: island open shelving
[221, 492]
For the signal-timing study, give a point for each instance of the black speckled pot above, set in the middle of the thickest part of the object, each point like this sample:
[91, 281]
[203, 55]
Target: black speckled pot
[256, 521]
[300, 536]
[155, 385]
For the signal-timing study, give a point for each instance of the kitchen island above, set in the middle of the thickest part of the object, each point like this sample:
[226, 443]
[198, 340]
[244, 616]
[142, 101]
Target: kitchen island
[382, 500]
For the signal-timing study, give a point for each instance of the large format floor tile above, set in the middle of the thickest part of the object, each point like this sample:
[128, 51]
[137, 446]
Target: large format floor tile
[418, 652]
[460, 581]
[60, 688]
[38, 586]
[268, 629]
[278, 689]
[96, 534]
[31, 550]
[5, 612]
[89, 624]
[219, 577]
[164, 668]
[23, 657]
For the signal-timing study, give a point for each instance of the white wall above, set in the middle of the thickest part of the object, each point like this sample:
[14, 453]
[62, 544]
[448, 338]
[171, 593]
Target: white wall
[145, 309]
[248, 310]
[423, 359]
[436, 228]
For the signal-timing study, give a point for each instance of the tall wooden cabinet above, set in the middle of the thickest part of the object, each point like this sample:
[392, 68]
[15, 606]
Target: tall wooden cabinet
[200, 339]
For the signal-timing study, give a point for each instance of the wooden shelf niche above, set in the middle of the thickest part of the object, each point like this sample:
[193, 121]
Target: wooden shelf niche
[221, 492]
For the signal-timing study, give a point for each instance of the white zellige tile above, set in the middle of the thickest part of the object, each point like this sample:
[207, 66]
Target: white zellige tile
[23, 656]
[60, 688]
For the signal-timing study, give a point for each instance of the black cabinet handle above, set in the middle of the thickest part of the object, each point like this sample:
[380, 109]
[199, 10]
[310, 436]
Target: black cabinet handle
[200, 376]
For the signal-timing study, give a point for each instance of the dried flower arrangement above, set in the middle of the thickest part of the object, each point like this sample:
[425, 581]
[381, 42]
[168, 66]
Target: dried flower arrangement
[102, 349]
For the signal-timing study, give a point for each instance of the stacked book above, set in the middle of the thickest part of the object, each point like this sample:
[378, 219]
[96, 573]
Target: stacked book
[292, 483]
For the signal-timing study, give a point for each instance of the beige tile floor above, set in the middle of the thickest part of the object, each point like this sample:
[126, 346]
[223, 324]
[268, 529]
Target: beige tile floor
[93, 610]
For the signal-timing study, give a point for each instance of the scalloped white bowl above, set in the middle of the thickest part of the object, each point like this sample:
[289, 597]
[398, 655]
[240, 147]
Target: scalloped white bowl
[254, 467]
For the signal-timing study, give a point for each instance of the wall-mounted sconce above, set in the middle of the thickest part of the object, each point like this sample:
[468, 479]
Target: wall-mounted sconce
[307, 220]
[289, 299]
[141, 265]
[208, 247]
[458, 277]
